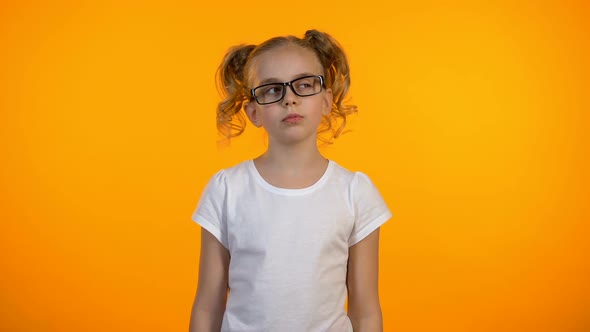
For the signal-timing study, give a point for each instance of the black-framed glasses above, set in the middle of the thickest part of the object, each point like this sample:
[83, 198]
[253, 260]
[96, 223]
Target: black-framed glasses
[274, 92]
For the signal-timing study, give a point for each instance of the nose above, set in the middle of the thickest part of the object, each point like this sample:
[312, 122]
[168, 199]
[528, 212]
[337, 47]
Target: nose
[290, 97]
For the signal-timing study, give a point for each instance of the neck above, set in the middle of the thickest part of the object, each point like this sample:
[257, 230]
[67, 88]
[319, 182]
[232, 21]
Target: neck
[293, 156]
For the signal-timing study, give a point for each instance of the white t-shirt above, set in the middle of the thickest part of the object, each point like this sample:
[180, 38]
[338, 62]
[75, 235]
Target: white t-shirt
[288, 247]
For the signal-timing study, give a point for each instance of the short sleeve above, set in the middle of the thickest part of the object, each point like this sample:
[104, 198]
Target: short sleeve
[370, 210]
[209, 213]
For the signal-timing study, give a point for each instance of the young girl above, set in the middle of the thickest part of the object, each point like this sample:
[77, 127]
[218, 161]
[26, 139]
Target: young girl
[289, 236]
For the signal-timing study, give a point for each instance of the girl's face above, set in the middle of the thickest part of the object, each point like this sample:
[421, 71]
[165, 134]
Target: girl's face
[292, 119]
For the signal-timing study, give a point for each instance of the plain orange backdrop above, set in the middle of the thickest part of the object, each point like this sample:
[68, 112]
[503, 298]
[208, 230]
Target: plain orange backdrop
[473, 122]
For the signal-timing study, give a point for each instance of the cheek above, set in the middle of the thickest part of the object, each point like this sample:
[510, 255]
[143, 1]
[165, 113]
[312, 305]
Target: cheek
[269, 114]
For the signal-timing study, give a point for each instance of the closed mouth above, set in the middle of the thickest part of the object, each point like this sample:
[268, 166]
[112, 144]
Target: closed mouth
[293, 116]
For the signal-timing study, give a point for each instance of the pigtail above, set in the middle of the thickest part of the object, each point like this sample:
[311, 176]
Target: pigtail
[232, 87]
[335, 63]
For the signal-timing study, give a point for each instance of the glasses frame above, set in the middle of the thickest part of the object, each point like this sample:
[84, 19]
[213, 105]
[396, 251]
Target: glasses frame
[290, 85]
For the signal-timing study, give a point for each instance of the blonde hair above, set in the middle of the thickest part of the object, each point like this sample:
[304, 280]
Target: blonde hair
[233, 82]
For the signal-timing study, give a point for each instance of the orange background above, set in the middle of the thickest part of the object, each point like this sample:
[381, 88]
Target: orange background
[473, 123]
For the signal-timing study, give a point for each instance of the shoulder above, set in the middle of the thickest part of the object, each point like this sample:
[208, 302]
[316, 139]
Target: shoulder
[237, 173]
[231, 178]
[341, 174]
[231, 172]
[351, 178]
[358, 184]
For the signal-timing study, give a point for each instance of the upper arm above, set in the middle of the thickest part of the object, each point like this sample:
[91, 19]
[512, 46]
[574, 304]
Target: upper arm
[213, 271]
[362, 280]
[212, 287]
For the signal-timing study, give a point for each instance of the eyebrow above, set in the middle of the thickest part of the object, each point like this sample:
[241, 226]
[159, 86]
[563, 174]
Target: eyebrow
[276, 80]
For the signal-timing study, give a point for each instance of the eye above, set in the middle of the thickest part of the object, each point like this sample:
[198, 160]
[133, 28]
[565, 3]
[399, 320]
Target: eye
[271, 90]
[305, 85]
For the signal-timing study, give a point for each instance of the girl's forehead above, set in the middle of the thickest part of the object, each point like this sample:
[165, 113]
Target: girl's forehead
[284, 63]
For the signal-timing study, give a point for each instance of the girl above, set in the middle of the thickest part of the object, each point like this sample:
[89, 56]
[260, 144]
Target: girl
[288, 235]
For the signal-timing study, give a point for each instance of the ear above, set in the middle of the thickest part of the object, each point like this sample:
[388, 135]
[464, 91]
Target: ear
[252, 113]
[328, 100]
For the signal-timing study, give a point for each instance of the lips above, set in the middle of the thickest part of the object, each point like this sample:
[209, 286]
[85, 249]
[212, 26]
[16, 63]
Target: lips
[292, 118]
